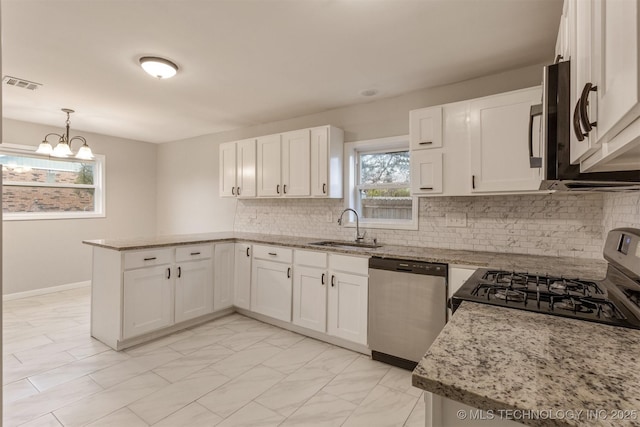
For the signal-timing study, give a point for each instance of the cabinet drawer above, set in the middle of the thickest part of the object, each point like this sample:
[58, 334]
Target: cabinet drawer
[311, 259]
[349, 264]
[193, 252]
[147, 258]
[273, 253]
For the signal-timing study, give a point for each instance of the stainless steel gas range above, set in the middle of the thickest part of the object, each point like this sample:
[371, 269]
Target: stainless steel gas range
[613, 301]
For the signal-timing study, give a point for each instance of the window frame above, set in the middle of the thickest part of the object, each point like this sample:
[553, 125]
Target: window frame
[99, 194]
[352, 151]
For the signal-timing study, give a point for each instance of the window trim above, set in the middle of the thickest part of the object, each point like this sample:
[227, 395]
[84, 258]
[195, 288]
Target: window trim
[99, 193]
[351, 150]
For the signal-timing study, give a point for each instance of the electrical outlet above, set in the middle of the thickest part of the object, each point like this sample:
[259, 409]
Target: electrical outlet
[456, 219]
[329, 217]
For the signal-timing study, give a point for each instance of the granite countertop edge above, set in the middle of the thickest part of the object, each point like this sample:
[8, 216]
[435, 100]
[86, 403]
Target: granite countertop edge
[585, 268]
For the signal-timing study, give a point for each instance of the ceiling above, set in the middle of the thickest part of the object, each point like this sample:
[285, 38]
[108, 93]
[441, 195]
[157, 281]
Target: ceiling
[249, 62]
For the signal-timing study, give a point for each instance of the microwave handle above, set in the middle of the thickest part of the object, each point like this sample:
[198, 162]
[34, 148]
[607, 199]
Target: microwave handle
[536, 110]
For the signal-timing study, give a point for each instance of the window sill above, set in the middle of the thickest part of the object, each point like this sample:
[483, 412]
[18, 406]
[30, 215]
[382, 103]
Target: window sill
[381, 224]
[50, 216]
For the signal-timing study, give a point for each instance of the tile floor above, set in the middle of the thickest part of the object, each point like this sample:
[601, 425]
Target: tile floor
[234, 371]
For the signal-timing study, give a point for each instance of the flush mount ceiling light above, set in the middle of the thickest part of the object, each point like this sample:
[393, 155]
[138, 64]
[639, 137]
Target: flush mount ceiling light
[158, 67]
[368, 92]
[63, 148]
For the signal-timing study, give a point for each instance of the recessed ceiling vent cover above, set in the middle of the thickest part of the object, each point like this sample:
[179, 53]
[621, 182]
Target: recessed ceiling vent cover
[25, 84]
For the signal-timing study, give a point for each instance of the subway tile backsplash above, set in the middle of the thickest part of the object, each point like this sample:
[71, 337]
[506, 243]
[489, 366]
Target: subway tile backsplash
[562, 224]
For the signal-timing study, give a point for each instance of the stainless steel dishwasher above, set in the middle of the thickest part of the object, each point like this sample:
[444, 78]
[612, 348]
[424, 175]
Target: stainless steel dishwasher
[407, 309]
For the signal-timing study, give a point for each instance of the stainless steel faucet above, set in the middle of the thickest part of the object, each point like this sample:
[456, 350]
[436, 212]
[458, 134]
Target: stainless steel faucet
[359, 238]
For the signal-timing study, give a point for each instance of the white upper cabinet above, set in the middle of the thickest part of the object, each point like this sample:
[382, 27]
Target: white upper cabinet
[425, 128]
[228, 169]
[426, 172]
[296, 163]
[269, 166]
[499, 127]
[326, 161]
[301, 163]
[238, 168]
[605, 53]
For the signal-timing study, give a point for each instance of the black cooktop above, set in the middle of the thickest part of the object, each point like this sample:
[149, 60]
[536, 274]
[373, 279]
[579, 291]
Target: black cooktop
[559, 296]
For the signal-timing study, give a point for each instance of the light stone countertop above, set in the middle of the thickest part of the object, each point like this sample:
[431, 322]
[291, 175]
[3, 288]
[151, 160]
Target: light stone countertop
[499, 358]
[534, 264]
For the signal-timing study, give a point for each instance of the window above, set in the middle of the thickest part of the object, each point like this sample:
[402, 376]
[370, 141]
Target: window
[39, 187]
[379, 183]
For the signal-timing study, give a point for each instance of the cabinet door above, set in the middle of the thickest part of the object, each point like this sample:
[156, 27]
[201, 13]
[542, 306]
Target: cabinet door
[242, 276]
[582, 29]
[271, 289]
[194, 289]
[246, 168]
[347, 309]
[148, 300]
[425, 128]
[499, 127]
[223, 275]
[296, 163]
[426, 172]
[310, 298]
[320, 162]
[615, 66]
[457, 277]
[228, 169]
[268, 167]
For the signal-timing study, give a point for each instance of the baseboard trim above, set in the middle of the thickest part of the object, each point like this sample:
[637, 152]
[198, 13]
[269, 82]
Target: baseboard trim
[44, 291]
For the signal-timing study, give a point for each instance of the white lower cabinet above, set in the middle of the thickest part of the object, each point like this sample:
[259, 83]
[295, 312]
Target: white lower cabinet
[194, 293]
[223, 281]
[348, 294]
[148, 300]
[242, 276]
[271, 284]
[143, 292]
[310, 290]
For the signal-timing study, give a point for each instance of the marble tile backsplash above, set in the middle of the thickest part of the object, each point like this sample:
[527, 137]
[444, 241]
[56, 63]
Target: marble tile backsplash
[555, 224]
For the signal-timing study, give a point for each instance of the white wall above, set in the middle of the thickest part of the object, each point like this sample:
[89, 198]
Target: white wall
[188, 170]
[39, 254]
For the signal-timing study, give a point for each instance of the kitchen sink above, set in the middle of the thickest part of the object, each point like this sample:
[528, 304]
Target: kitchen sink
[342, 244]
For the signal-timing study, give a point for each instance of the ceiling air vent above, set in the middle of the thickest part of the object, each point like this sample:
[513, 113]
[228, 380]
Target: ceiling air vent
[25, 84]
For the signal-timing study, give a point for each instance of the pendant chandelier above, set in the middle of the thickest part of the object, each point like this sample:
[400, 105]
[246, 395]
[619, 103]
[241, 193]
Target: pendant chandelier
[63, 147]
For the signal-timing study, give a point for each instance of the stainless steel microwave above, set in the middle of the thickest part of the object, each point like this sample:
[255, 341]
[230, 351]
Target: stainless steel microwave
[557, 171]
